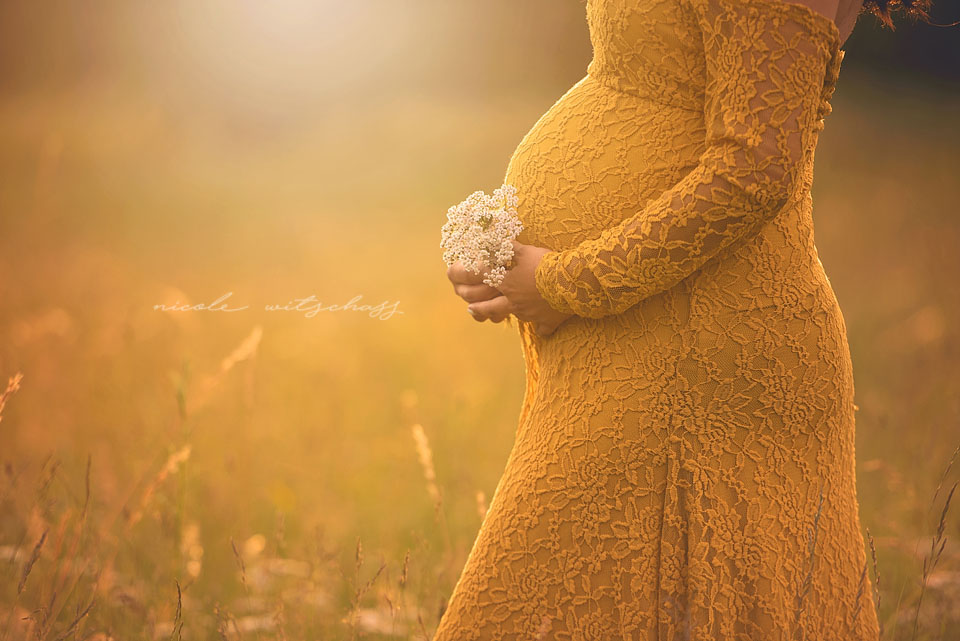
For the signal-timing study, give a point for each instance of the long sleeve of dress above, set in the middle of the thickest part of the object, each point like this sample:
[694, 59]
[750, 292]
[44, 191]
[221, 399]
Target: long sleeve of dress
[766, 62]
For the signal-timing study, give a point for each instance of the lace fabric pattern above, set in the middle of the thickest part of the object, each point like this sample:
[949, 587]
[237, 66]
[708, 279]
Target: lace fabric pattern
[683, 466]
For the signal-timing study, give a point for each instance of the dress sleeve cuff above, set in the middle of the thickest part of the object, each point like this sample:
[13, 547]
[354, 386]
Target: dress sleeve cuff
[547, 281]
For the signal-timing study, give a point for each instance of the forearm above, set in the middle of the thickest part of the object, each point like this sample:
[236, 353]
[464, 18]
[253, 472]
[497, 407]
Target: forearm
[673, 236]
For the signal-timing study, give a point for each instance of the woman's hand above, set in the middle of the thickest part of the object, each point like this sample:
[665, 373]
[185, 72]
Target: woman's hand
[517, 294]
[471, 288]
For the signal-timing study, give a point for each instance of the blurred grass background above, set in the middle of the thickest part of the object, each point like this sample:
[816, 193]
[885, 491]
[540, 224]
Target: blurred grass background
[161, 152]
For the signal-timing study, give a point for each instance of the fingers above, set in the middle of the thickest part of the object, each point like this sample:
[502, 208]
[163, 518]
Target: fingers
[476, 293]
[495, 309]
[458, 274]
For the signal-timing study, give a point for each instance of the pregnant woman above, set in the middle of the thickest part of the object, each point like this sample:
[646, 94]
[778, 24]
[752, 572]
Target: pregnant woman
[684, 461]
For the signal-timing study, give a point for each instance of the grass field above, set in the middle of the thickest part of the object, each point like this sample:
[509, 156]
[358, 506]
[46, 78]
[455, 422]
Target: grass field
[267, 475]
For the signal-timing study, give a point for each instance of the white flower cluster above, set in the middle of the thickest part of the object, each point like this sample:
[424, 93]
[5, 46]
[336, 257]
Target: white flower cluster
[479, 231]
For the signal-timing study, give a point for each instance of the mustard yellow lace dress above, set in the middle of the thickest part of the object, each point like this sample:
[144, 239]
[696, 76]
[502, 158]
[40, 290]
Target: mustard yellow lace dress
[684, 461]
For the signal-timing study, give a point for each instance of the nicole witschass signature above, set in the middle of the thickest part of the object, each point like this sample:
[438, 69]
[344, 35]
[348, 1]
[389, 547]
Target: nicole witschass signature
[309, 307]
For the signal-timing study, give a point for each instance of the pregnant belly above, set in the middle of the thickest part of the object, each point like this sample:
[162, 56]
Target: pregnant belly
[596, 157]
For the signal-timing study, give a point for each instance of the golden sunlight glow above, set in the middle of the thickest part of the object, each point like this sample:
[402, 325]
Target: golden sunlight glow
[269, 50]
[300, 468]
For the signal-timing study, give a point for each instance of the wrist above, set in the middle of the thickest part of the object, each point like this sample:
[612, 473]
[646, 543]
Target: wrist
[546, 281]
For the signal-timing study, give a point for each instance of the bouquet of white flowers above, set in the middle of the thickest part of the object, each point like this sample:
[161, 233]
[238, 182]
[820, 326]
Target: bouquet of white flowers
[479, 231]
